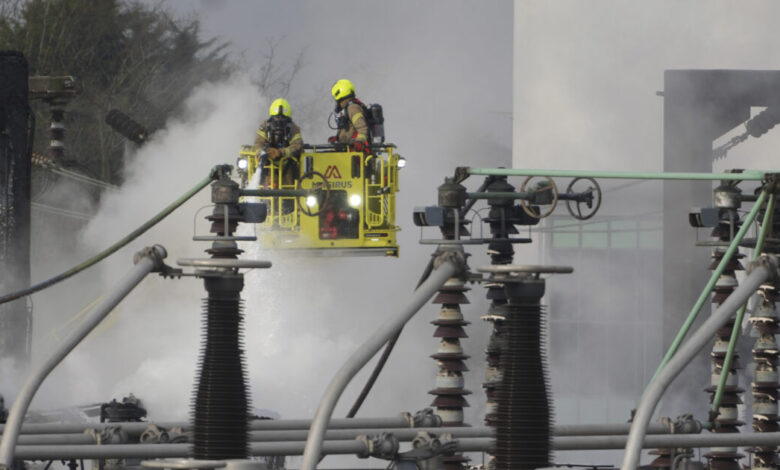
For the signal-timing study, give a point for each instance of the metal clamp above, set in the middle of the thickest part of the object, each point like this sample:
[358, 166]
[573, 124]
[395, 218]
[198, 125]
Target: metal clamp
[768, 262]
[426, 446]
[426, 418]
[107, 435]
[382, 446]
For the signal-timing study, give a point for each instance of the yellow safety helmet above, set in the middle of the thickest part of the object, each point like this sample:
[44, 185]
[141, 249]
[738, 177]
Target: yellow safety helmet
[342, 89]
[280, 106]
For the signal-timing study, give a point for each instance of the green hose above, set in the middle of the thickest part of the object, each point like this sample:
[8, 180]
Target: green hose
[749, 175]
[116, 246]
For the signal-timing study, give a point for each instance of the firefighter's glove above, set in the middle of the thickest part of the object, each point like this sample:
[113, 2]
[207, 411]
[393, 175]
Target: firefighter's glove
[273, 153]
[333, 139]
[358, 146]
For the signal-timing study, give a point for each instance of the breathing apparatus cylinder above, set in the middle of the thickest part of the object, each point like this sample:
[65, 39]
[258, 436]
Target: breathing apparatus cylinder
[377, 124]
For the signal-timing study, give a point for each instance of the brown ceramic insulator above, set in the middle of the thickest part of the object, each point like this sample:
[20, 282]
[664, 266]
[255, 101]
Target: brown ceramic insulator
[454, 365]
[450, 298]
[732, 265]
[664, 459]
[449, 394]
[448, 357]
[449, 401]
[719, 460]
[767, 327]
[766, 426]
[720, 296]
[446, 331]
[733, 390]
[723, 460]
[444, 322]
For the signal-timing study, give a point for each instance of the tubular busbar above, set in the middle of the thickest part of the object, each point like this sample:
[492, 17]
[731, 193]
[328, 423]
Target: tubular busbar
[653, 393]
[77, 433]
[354, 426]
[364, 353]
[146, 262]
[259, 425]
[53, 452]
[151, 451]
[629, 175]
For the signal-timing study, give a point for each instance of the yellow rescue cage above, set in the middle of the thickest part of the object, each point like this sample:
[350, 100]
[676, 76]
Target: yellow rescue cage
[353, 211]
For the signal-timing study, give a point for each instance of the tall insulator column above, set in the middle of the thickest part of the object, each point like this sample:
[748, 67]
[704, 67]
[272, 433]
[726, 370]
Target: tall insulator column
[524, 409]
[727, 200]
[57, 130]
[450, 392]
[765, 377]
[502, 218]
[221, 401]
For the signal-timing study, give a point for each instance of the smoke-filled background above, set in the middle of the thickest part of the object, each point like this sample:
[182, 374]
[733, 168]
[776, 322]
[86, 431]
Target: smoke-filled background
[585, 81]
[533, 84]
[441, 70]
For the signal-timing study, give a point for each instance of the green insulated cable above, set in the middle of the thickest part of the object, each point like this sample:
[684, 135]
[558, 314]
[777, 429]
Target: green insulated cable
[750, 175]
[711, 283]
[767, 222]
[113, 248]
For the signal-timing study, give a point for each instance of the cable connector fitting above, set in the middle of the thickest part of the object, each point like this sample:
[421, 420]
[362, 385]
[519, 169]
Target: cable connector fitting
[454, 256]
[220, 171]
[769, 263]
[382, 446]
[156, 252]
[685, 424]
[426, 418]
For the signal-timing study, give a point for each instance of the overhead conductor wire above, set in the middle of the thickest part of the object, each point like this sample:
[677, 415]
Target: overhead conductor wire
[385, 355]
[113, 248]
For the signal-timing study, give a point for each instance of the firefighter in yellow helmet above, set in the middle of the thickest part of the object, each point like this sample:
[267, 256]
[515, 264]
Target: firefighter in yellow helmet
[278, 137]
[350, 117]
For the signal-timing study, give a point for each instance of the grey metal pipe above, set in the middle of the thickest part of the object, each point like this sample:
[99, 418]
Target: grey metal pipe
[54, 439]
[403, 420]
[145, 262]
[116, 451]
[402, 434]
[151, 451]
[763, 270]
[156, 451]
[363, 354]
[361, 426]
[690, 441]
[610, 429]
[77, 432]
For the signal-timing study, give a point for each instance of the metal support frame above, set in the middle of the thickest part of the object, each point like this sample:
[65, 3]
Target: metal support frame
[146, 261]
[765, 268]
[365, 352]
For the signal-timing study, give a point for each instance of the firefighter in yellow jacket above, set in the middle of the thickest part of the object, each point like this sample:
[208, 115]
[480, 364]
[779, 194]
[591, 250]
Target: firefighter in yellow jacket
[279, 137]
[350, 117]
